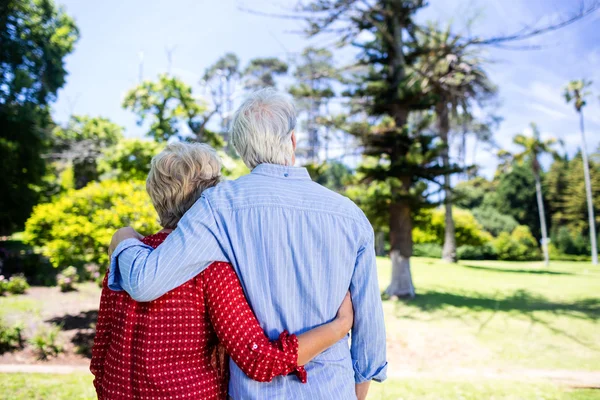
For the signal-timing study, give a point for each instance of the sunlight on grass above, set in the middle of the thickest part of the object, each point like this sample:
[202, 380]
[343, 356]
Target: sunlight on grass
[425, 389]
[498, 313]
[43, 387]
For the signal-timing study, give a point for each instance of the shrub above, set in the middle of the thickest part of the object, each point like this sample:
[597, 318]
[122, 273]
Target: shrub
[3, 285]
[45, 343]
[10, 338]
[493, 221]
[17, 284]
[67, 279]
[76, 228]
[429, 228]
[520, 245]
[566, 243]
[485, 252]
[432, 250]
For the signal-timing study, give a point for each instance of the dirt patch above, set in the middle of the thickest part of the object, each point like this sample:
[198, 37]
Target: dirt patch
[74, 312]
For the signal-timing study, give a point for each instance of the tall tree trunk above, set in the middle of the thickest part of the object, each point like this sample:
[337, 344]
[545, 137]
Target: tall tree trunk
[540, 201]
[401, 251]
[443, 125]
[400, 213]
[588, 192]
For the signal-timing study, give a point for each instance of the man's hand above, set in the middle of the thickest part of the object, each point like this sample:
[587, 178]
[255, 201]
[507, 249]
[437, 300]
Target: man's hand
[120, 235]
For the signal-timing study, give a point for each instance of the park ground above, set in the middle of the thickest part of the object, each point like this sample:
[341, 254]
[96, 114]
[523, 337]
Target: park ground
[476, 330]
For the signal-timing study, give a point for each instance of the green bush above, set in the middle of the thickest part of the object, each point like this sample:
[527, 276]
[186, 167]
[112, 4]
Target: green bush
[520, 245]
[493, 221]
[568, 244]
[67, 278]
[3, 285]
[429, 228]
[45, 342]
[77, 227]
[10, 337]
[432, 250]
[485, 252]
[17, 284]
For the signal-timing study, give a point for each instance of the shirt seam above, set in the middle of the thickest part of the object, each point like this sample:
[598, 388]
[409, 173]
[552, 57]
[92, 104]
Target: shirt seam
[276, 205]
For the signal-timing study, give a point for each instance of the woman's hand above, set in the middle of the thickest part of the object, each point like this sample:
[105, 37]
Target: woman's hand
[345, 316]
[120, 235]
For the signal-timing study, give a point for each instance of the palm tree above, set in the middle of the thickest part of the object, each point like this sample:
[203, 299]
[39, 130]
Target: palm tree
[453, 75]
[576, 91]
[534, 147]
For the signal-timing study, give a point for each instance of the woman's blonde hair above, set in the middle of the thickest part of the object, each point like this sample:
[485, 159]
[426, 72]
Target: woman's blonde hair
[178, 176]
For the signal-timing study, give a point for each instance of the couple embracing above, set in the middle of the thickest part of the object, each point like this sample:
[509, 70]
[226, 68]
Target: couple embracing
[253, 286]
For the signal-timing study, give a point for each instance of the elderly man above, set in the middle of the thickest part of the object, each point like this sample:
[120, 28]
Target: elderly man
[296, 246]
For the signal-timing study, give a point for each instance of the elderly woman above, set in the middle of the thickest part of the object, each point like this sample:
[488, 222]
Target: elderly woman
[166, 349]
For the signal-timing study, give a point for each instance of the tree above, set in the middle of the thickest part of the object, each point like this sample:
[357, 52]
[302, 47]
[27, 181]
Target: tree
[261, 72]
[222, 79]
[81, 143]
[454, 75]
[314, 75]
[576, 92]
[385, 33]
[128, 160]
[169, 103]
[35, 38]
[532, 148]
[515, 195]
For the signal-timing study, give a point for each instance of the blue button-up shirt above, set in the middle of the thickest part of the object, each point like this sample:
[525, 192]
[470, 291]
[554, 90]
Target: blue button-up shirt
[297, 248]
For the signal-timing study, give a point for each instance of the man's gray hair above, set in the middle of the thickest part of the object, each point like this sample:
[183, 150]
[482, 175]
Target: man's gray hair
[261, 130]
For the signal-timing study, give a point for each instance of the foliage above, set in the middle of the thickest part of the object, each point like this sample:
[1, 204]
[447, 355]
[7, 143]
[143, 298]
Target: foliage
[77, 227]
[3, 285]
[520, 245]
[568, 244]
[10, 337]
[31, 72]
[260, 72]
[429, 228]
[333, 175]
[431, 250]
[17, 284]
[515, 196]
[493, 221]
[67, 279]
[484, 252]
[471, 194]
[168, 103]
[128, 160]
[82, 142]
[45, 342]
[374, 200]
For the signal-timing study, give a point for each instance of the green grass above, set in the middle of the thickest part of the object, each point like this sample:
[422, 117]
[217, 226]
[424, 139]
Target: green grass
[504, 314]
[422, 389]
[497, 316]
[79, 387]
[46, 387]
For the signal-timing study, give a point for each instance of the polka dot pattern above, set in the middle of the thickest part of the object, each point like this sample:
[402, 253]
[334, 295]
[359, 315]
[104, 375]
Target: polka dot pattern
[173, 347]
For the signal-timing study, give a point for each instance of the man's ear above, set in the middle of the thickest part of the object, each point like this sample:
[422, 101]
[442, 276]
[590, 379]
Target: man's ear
[294, 140]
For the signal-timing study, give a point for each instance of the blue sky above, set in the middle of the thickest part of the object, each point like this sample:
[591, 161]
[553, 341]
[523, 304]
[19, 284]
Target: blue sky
[106, 60]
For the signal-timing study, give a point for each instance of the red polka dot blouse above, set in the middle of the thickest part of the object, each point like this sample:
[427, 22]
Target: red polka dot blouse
[168, 348]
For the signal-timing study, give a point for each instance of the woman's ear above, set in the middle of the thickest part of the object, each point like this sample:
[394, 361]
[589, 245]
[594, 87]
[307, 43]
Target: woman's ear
[294, 140]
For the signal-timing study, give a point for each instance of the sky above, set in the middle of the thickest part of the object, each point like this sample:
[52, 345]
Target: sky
[115, 33]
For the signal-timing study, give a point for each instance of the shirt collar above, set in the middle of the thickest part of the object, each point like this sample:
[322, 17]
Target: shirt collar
[281, 171]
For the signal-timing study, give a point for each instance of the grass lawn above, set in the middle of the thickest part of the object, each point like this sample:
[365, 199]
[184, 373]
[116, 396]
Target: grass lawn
[496, 315]
[481, 318]
[79, 387]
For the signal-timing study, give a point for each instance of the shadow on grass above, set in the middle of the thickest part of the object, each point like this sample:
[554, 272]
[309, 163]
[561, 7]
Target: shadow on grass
[442, 305]
[85, 325]
[520, 301]
[518, 271]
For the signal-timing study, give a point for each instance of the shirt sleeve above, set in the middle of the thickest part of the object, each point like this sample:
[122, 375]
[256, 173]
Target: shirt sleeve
[368, 348]
[102, 338]
[240, 333]
[147, 274]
